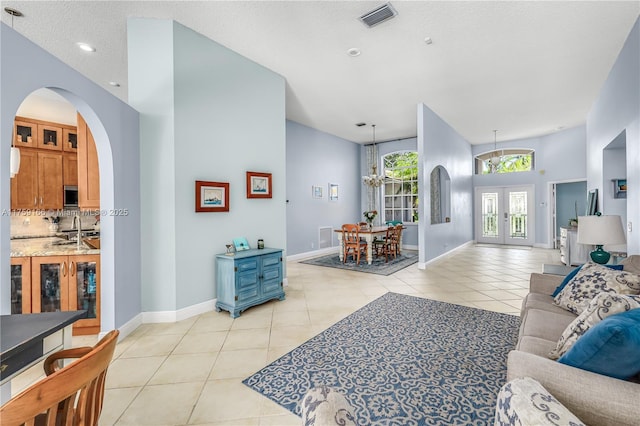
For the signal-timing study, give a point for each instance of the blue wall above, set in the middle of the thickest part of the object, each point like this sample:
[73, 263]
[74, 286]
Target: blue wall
[568, 195]
[114, 125]
[208, 114]
[318, 158]
[617, 109]
[440, 144]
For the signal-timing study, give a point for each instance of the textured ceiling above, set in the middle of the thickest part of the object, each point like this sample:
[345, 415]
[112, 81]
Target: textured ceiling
[524, 68]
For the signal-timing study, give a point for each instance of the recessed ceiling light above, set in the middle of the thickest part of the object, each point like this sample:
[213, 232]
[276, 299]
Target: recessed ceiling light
[428, 40]
[114, 84]
[353, 52]
[86, 47]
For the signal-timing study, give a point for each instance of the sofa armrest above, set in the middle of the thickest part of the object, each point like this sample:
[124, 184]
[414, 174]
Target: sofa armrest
[544, 283]
[594, 398]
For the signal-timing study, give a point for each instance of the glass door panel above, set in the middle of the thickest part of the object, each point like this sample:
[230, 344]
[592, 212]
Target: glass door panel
[489, 214]
[50, 287]
[20, 285]
[86, 287]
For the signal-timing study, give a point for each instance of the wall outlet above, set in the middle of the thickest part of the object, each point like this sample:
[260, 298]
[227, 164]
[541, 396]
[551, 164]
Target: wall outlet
[629, 227]
[312, 245]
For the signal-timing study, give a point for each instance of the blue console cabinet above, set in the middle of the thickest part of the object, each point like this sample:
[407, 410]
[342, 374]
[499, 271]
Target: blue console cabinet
[248, 278]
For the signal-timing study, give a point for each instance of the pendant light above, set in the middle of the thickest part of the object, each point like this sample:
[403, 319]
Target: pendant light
[14, 159]
[495, 157]
[373, 180]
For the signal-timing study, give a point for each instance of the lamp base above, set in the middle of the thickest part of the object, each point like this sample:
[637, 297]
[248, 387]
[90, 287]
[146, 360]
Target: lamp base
[600, 256]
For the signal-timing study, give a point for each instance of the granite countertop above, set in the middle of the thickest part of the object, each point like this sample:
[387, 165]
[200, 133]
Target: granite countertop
[48, 246]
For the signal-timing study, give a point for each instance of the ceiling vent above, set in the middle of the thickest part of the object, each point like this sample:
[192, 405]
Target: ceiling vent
[378, 15]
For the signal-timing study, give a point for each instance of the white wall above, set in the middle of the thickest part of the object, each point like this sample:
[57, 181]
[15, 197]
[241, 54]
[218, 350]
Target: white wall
[115, 128]
[208, 114]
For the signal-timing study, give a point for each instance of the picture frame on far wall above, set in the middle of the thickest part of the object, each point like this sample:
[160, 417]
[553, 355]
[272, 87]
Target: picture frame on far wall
[592, 202]
[259, 185]
[316, 191]
[212, 196]
[333, 192]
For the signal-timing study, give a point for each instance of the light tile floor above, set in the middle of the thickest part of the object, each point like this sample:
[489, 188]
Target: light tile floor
[191, 372]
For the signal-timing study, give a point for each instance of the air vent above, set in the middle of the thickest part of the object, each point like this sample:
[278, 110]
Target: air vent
[378, 15]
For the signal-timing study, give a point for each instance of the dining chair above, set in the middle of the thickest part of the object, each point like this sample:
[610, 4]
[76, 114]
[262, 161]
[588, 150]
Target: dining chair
[351, 242]
[390, 246]
[71, 395]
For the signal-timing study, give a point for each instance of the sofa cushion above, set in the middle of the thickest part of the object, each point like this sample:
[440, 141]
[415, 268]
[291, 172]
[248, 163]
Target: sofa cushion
[535, 345]
[325, 406]
[601, 306]
[573, 273]
[545, 325]
[591, 280]
[611, 347]
[543, 302]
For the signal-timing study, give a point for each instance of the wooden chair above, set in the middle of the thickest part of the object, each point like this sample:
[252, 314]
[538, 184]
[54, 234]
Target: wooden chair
[351, 242]
[391, 243]
[70, 395]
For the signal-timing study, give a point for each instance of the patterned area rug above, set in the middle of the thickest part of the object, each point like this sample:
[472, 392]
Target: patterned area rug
[402, 360]
[378, 265]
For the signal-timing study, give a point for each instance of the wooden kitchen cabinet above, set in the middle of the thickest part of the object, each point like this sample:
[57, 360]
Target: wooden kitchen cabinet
[68, 283]
[20, 285]
[24, 133]
[49, 137]
[24, 185]
[38, 183]
[88, 169]
[69, 169]
[69, 139]
[50, 180]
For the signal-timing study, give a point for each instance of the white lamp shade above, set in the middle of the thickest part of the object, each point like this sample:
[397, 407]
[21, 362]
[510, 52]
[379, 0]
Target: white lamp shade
[14, 161]
[600, 230]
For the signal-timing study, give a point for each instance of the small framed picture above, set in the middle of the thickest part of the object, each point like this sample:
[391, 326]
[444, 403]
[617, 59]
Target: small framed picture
[212, 196]
[333, 192]
[241, 244]
[316, 191]
[258, 185]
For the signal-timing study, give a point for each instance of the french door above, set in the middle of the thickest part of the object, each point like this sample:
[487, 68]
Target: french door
[505, 215]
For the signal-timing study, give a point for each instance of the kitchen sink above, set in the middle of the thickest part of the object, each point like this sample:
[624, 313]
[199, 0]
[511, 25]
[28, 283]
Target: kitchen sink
[92, 242]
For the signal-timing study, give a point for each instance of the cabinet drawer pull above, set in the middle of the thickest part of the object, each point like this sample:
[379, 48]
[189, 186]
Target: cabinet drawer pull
[35, 201]
[64, 269]
[40, 200]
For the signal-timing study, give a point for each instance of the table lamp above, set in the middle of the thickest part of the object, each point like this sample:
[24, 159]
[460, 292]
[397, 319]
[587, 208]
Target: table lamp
[599, 230]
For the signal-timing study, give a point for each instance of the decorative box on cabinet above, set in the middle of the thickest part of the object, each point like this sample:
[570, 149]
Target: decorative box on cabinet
[248, 278]
[572, 253]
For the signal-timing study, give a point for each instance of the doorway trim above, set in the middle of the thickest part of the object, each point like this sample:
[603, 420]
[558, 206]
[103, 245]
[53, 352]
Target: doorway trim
[551, 211]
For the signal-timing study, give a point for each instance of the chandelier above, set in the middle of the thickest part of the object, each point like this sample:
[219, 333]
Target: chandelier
[494, 161]
[373, 180]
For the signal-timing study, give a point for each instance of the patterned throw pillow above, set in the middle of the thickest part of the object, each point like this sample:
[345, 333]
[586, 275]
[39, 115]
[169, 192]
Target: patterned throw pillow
[600, 307]
[591, 280]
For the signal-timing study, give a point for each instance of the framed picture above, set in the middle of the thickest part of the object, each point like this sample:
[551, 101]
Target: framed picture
[333, 192]
[258, 185]
[592, 202]
[316, 191]
[212, 196]
[241, 244]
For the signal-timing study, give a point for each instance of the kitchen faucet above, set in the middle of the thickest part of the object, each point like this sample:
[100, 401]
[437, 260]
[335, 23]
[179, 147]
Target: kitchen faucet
[79, 224]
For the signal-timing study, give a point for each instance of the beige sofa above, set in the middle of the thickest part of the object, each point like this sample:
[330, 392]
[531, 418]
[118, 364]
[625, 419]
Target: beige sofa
[594, 398]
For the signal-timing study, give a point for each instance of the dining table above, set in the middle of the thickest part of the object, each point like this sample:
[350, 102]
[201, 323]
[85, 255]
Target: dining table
[368, 233]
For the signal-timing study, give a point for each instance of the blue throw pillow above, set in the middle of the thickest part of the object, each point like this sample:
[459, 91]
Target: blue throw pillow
[573, 273]
[611, 347]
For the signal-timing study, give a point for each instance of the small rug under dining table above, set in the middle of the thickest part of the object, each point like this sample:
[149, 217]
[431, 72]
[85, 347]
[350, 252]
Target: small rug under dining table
[402, 360]
[379, 264]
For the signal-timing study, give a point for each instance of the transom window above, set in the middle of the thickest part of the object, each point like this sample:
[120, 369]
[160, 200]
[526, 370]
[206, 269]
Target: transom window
[401, 186]
[505, 161]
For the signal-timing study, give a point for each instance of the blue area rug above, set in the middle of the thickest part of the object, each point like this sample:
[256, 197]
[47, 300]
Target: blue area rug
[378, 265]
[402, 360]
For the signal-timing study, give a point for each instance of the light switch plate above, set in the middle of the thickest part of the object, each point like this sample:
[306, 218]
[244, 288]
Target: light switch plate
[628, 226]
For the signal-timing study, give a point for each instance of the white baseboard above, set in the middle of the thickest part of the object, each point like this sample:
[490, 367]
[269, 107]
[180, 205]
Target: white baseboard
[423, 265]
[309, 254]
[180, 314]
[543, 246]
[127, 328]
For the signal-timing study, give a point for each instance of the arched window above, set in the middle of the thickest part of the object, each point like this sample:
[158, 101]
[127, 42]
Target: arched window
[401, 186]
[505, 161]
